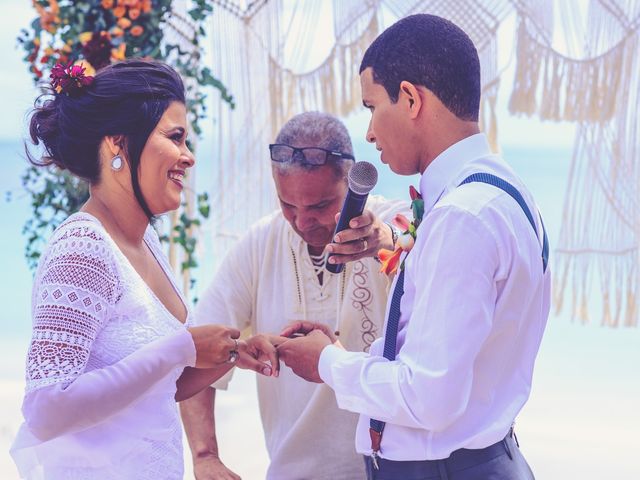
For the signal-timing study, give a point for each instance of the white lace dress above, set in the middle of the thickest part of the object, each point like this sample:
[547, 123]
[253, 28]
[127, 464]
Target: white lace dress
[102, 365]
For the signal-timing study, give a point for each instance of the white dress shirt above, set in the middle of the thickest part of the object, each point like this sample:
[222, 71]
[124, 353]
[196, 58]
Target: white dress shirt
[474, 308]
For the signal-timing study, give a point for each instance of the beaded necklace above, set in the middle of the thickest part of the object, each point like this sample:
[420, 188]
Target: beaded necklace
[318, 268]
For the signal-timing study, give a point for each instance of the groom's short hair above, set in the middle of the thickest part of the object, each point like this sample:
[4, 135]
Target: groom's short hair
[430, 51]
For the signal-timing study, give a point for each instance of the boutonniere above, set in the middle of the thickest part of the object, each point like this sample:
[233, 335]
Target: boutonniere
[406, 240]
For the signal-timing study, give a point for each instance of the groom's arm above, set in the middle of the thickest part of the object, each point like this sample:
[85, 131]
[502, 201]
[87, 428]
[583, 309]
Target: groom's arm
[199, 422]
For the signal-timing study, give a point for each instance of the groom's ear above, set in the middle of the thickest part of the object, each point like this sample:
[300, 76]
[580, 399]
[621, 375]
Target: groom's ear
[410, 98]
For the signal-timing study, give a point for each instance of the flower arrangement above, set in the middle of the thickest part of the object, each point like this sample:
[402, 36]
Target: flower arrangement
[71, 39]
[391, 259]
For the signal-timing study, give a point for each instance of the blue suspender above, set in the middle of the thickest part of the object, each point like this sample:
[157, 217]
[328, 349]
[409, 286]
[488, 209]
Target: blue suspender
[515, 194]
[376, 427]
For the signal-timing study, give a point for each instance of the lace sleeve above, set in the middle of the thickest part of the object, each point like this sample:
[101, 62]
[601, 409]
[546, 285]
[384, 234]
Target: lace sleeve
[75, 288]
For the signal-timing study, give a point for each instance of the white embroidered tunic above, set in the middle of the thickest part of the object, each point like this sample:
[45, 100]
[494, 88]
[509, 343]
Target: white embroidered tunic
[267, 281]
[102, 365]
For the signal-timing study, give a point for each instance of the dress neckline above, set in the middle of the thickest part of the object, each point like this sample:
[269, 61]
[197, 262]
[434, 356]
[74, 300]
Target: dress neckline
[167, 274]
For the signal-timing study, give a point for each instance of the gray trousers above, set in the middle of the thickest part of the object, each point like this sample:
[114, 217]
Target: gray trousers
[500, 461]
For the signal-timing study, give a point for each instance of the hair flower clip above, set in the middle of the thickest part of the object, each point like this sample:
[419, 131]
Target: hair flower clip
[69, 79]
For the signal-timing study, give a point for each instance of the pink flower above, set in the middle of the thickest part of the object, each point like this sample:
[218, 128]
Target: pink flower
[401, 222]
[69, 79]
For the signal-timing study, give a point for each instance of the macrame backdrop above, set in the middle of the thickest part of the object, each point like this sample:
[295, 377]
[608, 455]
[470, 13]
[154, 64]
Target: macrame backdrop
[579, 62]
[574, 61]
[266, 52]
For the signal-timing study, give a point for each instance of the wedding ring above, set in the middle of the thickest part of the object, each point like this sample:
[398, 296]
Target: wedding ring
[233, 356]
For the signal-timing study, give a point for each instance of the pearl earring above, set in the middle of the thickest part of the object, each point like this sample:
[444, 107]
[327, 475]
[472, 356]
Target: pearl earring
[116, 163]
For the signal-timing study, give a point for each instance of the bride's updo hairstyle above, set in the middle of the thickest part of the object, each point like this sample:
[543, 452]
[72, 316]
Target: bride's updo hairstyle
[124, 99]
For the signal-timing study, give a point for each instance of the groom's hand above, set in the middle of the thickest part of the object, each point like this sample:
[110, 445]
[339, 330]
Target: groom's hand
[303, 353]
[304, 327]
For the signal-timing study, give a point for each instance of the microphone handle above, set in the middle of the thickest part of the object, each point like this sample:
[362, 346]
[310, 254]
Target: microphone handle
[352, 207]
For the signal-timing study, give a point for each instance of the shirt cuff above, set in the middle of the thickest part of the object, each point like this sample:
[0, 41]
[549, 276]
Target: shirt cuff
[329, 356]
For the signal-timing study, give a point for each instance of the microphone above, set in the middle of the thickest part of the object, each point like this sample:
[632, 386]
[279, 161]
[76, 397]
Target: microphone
[362, 177]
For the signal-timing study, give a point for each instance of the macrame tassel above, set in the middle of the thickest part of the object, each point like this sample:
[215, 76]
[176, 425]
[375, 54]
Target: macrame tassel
[568, 89]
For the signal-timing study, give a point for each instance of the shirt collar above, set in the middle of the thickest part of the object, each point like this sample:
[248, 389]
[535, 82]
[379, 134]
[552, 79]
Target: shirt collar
[444, 168]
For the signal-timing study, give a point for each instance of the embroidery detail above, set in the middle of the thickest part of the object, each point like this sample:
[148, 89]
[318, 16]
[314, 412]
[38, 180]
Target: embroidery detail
[360, 300]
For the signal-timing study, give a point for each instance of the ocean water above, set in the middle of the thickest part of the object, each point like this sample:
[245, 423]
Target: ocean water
[586, 390]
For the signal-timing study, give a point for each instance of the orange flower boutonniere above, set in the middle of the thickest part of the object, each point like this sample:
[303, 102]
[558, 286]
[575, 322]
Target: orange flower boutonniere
[391, 259]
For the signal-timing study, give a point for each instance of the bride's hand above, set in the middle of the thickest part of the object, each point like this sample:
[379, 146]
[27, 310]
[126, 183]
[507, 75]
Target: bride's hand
[214, 344]
[259, 353]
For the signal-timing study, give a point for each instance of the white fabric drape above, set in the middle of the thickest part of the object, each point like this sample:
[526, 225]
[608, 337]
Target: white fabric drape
[280, 58]
[579, 62]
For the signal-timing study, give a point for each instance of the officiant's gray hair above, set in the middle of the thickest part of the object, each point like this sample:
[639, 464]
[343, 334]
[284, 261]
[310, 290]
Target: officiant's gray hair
[316, 129]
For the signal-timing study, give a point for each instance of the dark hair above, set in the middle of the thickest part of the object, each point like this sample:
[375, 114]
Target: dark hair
[430, 51]
[126, 98]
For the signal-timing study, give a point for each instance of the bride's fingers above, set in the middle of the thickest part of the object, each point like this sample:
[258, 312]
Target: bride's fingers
[267, 350]
[247, 362]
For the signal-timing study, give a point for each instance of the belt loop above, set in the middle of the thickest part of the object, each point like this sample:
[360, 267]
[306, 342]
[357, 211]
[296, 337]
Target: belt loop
[513, 433]
[506, 447]
[442, 467]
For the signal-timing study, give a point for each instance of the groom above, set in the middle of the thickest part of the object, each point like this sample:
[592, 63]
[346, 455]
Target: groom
[438, 395]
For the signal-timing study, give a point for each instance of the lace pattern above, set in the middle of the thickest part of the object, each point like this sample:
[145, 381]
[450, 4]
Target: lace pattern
[90, 310]
[75, 288]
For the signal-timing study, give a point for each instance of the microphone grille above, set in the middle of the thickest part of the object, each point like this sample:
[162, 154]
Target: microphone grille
[362, 177]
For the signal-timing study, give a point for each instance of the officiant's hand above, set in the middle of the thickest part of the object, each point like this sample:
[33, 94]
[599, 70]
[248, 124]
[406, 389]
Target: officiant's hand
[367, 234]
[210, 467]
[259, 353]
[302, 354]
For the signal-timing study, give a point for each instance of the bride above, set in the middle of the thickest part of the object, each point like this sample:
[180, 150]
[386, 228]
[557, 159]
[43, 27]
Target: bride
[112, 346]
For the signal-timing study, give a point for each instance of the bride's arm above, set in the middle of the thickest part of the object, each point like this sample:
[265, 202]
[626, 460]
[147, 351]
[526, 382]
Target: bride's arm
[75, 292]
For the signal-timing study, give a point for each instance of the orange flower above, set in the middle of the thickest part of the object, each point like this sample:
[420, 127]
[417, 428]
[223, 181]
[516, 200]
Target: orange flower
[124, 23]
[49, 19]
[106, 4]
[146, 6]
[119, 11]
[88, 68]
[116, 32]
[137, 31]
[134, 13]
[119, 53]
[390, 260]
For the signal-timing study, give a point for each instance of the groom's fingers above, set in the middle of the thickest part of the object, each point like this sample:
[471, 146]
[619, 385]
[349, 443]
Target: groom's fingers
[301, 326]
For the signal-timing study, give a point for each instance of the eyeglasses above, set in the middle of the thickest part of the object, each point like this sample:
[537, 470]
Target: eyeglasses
[283, 153]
